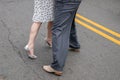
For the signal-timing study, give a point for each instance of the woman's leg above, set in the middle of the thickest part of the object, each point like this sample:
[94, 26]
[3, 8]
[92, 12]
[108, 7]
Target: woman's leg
[33, 33]
[49, 33]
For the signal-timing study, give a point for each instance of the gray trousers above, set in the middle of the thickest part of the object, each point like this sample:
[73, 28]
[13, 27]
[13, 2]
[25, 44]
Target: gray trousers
[63, 31]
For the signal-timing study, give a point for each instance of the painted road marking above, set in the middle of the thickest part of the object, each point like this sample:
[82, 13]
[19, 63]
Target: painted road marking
[98, 32]
[98, 25]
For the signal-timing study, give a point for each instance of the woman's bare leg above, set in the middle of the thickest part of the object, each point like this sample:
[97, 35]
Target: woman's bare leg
[49, 33]
[33, 33]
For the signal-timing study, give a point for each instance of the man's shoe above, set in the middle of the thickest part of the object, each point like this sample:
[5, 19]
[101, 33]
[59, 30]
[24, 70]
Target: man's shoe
[49, 69]
[73, 49]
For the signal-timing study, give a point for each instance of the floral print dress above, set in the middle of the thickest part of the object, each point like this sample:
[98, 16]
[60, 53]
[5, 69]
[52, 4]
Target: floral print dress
[43, 11]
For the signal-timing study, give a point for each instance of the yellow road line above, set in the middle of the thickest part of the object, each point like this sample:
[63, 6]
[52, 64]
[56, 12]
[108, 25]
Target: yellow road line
[98, 32]
[99, 26]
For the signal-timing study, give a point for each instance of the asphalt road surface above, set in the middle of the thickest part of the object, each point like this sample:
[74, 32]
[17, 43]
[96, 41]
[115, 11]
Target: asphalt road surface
[99, 56]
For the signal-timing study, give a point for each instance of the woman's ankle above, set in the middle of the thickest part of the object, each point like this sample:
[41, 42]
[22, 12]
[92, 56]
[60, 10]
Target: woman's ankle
[30, 46]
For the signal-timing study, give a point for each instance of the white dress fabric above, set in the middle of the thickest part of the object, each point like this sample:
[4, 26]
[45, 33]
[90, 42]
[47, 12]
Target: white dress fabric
[43, 10]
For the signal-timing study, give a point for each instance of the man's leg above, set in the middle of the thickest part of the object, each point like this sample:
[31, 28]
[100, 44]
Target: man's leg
[64, 15]
[74, 44]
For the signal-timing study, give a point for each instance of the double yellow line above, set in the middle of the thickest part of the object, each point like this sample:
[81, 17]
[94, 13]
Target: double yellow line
[116, 41]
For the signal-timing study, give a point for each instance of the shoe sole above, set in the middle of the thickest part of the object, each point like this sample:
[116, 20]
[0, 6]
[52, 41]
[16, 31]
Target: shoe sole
[74, 50]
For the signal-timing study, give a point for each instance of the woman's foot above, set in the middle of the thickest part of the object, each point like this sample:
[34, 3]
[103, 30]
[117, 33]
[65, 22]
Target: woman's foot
[32, 56]
[49, 42]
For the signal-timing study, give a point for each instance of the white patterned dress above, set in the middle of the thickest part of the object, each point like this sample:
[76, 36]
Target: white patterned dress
[43, 11]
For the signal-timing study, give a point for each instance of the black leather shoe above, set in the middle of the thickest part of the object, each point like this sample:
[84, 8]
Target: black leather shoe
[74, 50]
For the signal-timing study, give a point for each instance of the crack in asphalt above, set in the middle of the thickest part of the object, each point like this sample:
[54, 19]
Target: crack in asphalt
[15, 49]
[11, 43]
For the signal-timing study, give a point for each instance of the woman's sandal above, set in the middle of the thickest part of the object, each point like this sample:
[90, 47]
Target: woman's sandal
[28, 52]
